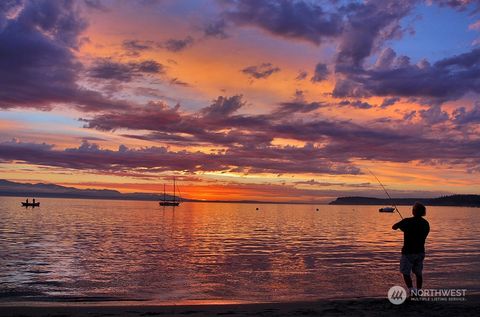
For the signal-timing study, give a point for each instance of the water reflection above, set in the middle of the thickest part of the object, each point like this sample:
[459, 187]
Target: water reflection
[200, 251]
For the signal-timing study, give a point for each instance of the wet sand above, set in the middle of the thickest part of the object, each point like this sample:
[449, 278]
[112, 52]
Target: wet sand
[360, 307]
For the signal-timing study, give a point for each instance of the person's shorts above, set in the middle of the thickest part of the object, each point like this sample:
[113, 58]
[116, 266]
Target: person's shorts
[412, 263]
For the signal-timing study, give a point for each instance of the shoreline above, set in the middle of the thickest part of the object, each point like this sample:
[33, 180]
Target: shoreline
[369, 307]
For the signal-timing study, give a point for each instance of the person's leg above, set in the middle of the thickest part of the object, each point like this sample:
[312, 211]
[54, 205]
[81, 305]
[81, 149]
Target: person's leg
[419, 279]
[408, 280]
[406, 265]
[405, 269]
[418, 269]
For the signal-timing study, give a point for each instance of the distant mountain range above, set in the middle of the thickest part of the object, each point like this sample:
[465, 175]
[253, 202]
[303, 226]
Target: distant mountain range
[26, 190]
[8, 188]
[452, 200]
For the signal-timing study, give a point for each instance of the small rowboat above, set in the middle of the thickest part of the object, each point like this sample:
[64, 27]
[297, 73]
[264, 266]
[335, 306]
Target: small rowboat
[386, 209]
[30, 204]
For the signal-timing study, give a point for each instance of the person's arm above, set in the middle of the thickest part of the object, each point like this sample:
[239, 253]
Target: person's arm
[397, 225]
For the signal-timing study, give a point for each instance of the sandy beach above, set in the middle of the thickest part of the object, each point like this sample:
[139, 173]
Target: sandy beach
[357, 307]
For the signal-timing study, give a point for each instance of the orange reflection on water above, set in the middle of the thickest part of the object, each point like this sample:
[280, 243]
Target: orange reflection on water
[217, 252]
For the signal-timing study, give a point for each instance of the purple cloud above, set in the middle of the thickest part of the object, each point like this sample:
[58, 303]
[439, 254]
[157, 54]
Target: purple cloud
[463, 116]
[135, 47]
[108, 69]
[302, 75]
[149, 117]
[47, 33]
[447, 79]
[434, 115]
[252, 136]
[95, 5]
[177, 45]
[216, 29]
[460, 5]
[223, 107]
[261, 71]
[298, 106]
[387, 102]
[320, 73]
[358, 104]
[289, 19]
[91, 157]
[368, 25]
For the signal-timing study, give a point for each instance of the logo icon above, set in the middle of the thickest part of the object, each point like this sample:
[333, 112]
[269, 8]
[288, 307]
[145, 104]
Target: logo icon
[397, 295]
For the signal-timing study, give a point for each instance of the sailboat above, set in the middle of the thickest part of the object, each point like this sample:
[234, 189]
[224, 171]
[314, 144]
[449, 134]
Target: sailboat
[171, 202]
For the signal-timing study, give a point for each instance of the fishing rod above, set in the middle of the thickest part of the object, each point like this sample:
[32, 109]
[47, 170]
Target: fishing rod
[386, 192]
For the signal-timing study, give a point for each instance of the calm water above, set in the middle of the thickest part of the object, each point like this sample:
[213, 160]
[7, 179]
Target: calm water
[91, 249]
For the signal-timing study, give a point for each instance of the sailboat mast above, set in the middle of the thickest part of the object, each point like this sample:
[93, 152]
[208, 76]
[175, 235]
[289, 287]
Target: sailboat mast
[174, 199]
[163, 192]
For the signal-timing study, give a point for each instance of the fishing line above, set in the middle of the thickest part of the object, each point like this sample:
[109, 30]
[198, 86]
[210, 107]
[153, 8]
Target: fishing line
[386, 192]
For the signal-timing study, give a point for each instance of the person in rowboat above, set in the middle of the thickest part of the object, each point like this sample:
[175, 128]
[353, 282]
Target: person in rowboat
[415, 231]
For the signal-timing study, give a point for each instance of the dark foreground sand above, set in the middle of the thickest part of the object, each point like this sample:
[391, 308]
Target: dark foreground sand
[363, 307]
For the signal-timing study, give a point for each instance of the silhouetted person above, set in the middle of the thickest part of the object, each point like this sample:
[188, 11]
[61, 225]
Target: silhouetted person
[27, 200]
[34, 201]
[415, 231]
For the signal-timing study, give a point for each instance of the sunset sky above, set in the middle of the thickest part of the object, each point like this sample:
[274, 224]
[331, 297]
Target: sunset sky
[264, 100]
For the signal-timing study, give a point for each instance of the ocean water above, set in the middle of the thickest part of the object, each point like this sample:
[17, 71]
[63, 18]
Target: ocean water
[82, 250]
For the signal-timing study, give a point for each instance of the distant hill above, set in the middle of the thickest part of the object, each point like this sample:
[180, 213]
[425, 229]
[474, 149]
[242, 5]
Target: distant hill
[8, 188]
[26, 190]
[452, 200]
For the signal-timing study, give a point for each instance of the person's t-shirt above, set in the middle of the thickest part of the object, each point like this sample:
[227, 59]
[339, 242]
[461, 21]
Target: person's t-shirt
[415, 231]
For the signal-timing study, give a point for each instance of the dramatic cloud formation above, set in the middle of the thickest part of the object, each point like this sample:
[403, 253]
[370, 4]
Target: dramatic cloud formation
[183, 88]
[252, 136]
[369, 24]
[447, 79]
[156, 159]
[37, 66]
[290, 19]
